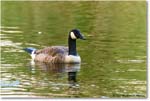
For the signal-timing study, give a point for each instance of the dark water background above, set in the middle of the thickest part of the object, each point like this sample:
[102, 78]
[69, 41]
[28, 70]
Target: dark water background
[113, 56]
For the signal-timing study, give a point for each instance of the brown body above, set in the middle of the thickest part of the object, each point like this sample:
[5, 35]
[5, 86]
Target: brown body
[53, 54]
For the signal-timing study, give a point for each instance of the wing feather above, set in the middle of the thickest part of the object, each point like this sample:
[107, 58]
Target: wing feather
[53, 54]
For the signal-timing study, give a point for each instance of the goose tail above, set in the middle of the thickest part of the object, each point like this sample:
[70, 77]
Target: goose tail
[30, 50]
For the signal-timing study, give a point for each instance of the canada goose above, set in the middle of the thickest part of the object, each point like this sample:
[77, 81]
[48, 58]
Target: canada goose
[59, 54]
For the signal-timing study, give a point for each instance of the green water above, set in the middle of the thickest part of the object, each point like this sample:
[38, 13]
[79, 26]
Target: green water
[113, 56]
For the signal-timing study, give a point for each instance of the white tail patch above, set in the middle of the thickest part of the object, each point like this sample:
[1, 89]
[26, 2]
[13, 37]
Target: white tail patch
[73, 35]
[33, 55]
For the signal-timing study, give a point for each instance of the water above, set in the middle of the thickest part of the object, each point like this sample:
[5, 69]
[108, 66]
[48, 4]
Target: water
[113, 56]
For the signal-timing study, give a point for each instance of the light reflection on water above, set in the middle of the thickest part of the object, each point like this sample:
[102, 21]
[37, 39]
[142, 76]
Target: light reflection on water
[58, 71]
[69, 69]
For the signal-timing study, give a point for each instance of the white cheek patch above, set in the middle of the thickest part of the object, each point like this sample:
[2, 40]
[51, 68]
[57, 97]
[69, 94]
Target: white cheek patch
[73, 36]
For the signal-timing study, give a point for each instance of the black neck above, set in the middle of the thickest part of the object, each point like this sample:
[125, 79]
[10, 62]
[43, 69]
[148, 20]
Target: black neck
[72, 46]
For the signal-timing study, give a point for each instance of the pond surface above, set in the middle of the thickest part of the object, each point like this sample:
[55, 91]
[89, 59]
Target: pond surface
[113, 56]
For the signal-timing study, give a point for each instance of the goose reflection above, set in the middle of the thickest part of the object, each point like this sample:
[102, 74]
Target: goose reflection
[70, 69]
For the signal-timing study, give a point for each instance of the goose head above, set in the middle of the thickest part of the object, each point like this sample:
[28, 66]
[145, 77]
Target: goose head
[75, 34]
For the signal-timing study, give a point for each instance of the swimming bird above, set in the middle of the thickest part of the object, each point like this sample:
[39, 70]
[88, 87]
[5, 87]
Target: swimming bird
[59, 54]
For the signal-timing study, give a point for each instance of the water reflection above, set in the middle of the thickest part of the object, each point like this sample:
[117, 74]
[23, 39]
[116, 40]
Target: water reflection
[56, 68]
[70, 69]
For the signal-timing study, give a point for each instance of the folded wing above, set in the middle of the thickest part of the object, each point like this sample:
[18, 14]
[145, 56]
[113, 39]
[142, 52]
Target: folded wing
[53, 54]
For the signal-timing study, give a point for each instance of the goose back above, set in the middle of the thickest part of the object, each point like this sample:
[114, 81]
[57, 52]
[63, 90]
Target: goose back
[53, 54]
